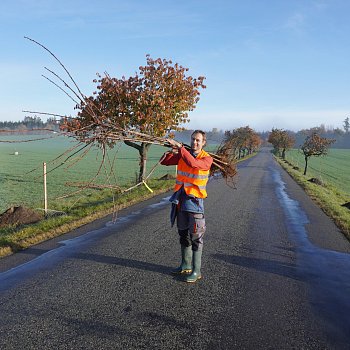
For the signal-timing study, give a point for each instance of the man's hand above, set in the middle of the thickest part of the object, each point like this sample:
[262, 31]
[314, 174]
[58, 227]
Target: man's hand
[175, 145]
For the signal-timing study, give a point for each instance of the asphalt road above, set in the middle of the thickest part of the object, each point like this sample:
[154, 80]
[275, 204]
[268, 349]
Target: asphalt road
[276, 275]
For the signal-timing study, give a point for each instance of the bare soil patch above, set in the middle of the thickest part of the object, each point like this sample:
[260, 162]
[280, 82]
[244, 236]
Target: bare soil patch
[19, 215]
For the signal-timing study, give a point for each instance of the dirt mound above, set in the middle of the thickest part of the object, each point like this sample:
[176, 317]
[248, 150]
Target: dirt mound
[18, 216]
[316, 181]
[346, 205]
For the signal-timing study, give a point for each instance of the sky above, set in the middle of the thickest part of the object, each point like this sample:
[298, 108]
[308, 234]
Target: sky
[267, 63]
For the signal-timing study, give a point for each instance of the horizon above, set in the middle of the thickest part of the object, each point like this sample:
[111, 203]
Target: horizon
[327, 128]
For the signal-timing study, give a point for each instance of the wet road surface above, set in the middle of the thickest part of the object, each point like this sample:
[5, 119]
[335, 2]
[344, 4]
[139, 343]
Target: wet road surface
[276, 276]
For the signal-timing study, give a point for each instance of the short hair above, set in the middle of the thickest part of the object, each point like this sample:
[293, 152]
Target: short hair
[200, 132]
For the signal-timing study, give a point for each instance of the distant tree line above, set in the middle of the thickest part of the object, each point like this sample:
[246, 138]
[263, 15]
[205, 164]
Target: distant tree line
[30, 124]
[341, 137]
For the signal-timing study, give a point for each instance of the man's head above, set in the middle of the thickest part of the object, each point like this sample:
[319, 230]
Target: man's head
[198, 140]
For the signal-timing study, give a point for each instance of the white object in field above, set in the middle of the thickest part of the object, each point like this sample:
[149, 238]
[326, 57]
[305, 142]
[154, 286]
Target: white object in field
[16, 153]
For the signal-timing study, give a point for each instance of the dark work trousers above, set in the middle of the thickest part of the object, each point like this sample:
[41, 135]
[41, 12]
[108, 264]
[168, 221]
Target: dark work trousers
[191, 228]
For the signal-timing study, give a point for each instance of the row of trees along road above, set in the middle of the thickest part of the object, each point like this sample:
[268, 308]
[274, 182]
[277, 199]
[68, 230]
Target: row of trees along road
[313, 145]
[340, 135]
[281, 141]
[242, 141]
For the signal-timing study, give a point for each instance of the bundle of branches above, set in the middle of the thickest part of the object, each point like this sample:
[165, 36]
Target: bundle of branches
[106, 134]
[224, 161]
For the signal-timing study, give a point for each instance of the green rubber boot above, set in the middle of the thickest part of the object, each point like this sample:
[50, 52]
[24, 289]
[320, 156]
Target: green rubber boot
[197, 263]
[186, 261]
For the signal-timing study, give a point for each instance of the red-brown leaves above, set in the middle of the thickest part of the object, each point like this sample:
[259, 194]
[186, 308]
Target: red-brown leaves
[280, 139]
[157, 98]
[315, 145]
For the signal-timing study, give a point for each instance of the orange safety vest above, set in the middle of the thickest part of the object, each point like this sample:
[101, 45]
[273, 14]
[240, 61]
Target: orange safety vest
[193, 180]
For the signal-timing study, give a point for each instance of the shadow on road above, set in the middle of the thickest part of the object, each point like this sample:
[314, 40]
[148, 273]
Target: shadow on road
[94, 328]
[271, 266]
[285, 251]
[113, 260]
[157, 319]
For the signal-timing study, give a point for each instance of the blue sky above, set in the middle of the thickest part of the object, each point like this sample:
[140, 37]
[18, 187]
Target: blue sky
[267, 63]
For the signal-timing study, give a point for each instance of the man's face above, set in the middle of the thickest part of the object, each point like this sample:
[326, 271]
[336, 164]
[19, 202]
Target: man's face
[197, 142]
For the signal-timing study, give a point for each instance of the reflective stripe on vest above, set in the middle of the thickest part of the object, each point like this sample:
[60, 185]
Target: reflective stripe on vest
[193, 180]
[194, 176]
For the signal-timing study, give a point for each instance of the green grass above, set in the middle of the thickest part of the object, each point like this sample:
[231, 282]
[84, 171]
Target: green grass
[332, 169]
[21, 180]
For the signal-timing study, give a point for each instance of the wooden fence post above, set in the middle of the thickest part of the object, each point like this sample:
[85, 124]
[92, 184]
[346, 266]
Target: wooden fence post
[45, 188]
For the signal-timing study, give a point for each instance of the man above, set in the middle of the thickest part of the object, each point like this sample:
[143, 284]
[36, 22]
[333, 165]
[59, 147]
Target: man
[187, 201]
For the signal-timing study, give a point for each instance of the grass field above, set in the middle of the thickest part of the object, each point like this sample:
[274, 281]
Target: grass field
[333, 169]
[21, 179]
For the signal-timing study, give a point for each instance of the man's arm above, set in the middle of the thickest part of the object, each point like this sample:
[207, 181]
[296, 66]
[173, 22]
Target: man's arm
[201, 164]
[171, 158]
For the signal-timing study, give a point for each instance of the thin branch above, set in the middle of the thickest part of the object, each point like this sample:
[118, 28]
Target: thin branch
[52, 82]
[45, 113]
[45, 48]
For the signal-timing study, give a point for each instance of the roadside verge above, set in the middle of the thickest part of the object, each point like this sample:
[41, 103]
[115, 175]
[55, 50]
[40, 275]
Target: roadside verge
[330, 199]
[13, 239]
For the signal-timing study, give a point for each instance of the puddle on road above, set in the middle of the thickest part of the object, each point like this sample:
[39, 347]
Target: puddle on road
[327, 272]
[70, 246]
